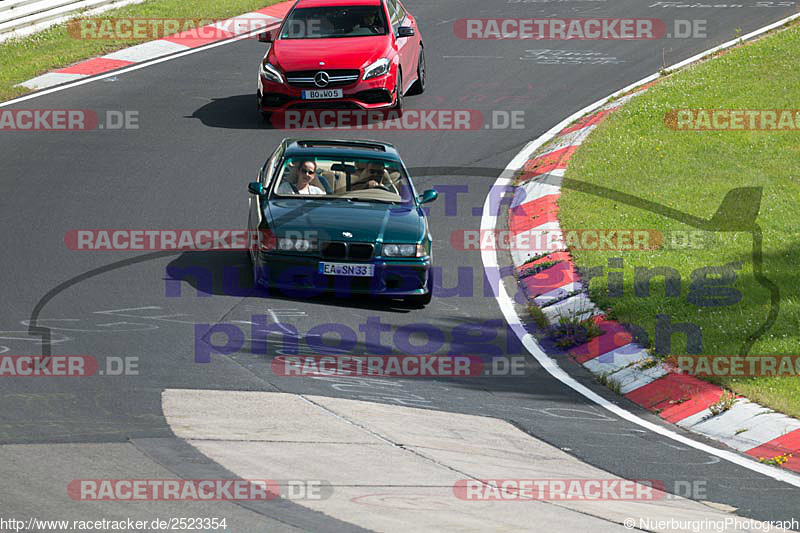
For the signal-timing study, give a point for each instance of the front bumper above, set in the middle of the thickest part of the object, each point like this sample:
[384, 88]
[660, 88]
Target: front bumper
[377, 93]
[300, 275]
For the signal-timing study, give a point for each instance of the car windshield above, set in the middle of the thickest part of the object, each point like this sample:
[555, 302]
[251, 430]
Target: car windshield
[367, 180]
[334, 21]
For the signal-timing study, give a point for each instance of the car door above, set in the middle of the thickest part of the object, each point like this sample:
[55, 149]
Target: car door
[256, 214]
[405, 45]
[412, 43]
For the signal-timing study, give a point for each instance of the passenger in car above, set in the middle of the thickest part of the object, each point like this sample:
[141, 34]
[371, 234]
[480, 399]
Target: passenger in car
[304, 174]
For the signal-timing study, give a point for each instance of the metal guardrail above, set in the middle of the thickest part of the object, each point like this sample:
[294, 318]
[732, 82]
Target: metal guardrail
[19, 17]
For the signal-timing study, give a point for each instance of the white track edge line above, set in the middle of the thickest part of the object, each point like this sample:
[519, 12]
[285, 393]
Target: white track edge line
[491, 268]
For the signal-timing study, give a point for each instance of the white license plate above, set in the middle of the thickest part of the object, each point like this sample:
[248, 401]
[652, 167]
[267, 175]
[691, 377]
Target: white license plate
[347, 269]
[322, 94]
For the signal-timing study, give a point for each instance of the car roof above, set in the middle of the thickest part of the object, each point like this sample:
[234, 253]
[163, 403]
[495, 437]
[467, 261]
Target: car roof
[345, 148]
[324, 3]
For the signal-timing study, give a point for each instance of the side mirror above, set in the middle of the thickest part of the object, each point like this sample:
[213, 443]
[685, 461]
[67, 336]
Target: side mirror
[428, 196]
[405, 31]
[265, 37]
[256, 188]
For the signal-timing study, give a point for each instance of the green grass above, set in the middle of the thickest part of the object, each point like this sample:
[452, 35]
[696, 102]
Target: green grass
[23, 59]
[538, 316]
[532, 269]
[611, 383]
[724, 404]
[691, 171]
[573, 332]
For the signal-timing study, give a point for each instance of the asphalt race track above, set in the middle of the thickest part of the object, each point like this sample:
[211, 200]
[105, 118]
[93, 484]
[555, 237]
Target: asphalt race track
[200, 140]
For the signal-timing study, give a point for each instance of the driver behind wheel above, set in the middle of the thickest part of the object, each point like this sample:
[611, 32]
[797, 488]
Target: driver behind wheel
[371, 22]
[372, 176]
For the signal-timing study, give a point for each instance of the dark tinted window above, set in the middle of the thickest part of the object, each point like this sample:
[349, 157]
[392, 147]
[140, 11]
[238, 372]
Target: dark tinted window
[332, 22]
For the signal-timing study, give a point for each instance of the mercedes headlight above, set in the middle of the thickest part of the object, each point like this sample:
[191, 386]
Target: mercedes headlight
[378, 68]
[269, 71]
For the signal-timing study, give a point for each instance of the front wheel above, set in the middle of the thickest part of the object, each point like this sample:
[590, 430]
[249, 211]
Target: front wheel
[419, 85]
[251, 254]
[398, 105]
[254, 265]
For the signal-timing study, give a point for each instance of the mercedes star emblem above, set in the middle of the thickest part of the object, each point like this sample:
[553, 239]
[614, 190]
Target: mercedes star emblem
[321, 79]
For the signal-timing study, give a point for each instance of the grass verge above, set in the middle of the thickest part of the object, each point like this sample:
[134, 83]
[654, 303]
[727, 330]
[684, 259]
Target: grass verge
[634, 152]
[25, 58]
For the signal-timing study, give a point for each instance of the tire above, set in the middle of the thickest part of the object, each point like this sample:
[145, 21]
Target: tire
[398, 106]
[264, 285]
[255, 270]
[419, 85]
[266, 115]
[251, 259]
[422, 300]
[251, 255]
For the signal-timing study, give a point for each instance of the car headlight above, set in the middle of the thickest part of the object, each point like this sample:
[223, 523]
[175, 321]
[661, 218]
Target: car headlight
[404, 250]
[269, 71]
[378, 68]
[304, 245]
[297, 245]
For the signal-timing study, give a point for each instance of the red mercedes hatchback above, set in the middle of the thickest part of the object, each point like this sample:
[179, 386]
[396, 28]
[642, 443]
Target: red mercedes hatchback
[342, 54]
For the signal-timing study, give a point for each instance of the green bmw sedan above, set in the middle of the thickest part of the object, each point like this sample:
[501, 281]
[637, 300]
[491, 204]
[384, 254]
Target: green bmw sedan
[344, 217]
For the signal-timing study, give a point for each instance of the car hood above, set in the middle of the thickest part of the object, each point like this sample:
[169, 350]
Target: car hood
[341, 53]
[367, 222]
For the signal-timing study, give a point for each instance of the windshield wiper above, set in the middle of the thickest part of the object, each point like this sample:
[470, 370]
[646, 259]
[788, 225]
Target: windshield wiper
[371, 200]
